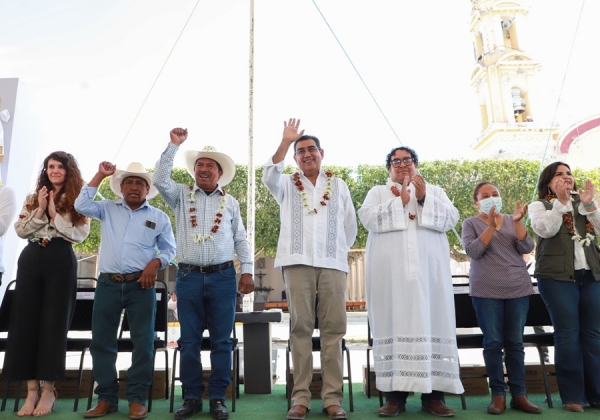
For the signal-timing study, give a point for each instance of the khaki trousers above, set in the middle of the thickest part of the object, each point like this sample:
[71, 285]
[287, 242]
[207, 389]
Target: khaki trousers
[302, 283]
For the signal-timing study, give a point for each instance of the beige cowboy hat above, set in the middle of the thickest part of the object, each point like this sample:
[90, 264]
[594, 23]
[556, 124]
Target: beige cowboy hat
[210, 152]
[134, 169]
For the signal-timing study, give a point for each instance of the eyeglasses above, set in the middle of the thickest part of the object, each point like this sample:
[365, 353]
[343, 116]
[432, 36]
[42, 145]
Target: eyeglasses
[407, 161]
[310, 149]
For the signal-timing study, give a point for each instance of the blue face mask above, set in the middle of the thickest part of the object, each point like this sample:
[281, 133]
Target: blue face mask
[486, 204]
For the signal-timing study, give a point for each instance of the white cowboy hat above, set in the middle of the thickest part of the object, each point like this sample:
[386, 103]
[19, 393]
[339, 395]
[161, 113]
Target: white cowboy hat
[134, 169]
[210, 152]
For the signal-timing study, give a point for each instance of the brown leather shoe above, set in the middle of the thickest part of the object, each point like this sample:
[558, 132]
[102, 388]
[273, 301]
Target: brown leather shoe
[297, 412]
[102, 409]
[437, 408]
[498, 404]
[522, 403]
[391, 408]
[576, 408]
[137, 411]
[335, 412]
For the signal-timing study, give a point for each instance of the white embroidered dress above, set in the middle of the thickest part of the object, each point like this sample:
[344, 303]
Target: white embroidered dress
[409, 291]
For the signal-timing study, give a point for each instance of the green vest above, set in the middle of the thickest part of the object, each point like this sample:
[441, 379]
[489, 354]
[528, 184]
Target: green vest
[555, 256]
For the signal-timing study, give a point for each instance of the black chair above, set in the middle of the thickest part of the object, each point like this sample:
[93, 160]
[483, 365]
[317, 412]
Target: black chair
[81, 322]
[5, 312]
[125, 345]
[368, 373]
[538, 316]
[465, 318]
[316, 347]
[206, 346]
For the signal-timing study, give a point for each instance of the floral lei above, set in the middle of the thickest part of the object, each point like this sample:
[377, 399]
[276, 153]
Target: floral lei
[199, 239]
[392, 185]
[326, 196]
[568, 220]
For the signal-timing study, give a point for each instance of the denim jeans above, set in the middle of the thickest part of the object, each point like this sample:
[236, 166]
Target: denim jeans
[574, 308]
[109, 301]
[502, 322]
[205, 301]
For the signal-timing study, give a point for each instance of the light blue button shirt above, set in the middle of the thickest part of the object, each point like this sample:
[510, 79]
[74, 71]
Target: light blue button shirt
[130, 238]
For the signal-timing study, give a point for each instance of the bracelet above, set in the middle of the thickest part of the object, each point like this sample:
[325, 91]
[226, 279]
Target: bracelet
[421, 201]
[589, 206]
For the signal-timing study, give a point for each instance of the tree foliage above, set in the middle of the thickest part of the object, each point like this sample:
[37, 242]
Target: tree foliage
[516, 180]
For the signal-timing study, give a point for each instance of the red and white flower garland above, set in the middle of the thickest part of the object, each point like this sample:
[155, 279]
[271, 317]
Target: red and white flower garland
[326, 196]
[200, 239]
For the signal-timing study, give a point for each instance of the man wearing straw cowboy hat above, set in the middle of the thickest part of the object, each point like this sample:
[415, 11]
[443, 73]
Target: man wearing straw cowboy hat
[209, 232]
[132, 232]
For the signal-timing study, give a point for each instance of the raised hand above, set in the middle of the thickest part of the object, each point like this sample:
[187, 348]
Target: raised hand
[492, 217]
[405, 193]
[106, 169]
[178, 135]
[420, 186]
[51, 205]
[520, 212]
[586, 196]
[290, 131]
[43, 199]
[563, 190]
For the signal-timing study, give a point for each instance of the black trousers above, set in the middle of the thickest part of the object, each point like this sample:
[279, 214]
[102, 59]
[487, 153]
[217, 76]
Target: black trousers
[43, 306]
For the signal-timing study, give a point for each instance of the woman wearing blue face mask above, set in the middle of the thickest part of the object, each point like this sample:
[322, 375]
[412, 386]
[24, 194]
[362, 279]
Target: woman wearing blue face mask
[500, 287]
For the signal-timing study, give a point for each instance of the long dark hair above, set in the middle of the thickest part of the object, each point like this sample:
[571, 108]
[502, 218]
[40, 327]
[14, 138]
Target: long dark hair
[64, 200]
[546, 176]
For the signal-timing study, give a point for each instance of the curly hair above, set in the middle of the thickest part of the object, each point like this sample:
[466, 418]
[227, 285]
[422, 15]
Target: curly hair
[413, 154]
[65, 199]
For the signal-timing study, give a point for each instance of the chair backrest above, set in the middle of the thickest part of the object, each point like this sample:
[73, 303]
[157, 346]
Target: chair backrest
[84, 307]
[6, 306]
[463, 307]
[162, 300]
[538, 315]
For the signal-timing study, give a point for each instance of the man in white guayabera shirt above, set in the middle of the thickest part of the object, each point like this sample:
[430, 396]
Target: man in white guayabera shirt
[318, 226]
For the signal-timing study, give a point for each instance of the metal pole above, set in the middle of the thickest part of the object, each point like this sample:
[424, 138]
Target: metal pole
[250, 211]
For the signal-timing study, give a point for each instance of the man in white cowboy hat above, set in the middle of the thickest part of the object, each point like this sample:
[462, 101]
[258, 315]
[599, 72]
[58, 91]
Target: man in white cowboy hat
[312, 254]
[209, 232]
[132, 232]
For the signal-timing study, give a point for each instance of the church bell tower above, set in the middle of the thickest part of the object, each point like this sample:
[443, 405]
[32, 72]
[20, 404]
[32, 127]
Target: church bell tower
[504, 81]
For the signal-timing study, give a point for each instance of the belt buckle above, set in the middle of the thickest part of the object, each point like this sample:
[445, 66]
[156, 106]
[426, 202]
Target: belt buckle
[201, 269]
[118, 278]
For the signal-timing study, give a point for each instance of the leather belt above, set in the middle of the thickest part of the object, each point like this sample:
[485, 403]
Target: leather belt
[207, 268]
[121, 278]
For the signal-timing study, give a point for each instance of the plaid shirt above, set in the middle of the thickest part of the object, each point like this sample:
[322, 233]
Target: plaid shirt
[229, 240]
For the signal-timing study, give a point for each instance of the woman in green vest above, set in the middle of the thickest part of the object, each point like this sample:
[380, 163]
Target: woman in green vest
[566, 222]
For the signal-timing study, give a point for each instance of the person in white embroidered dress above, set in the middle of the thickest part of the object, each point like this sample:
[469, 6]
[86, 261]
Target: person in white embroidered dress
[409, 292]
[318, 227]
[210, 232]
